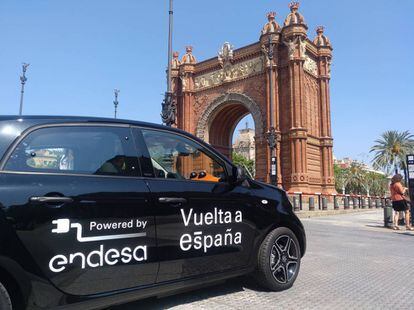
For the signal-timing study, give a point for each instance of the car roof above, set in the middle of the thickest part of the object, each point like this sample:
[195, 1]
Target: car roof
[46, 119]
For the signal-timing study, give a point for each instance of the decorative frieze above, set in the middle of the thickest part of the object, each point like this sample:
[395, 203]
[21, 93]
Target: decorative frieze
[229, 73]
[310, 65]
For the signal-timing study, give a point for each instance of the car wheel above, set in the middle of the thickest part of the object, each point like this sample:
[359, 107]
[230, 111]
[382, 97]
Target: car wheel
[5, 302]
[278, 260]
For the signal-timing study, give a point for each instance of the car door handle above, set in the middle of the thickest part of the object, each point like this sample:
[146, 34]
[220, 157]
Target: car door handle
[172, 200]
[46, 199]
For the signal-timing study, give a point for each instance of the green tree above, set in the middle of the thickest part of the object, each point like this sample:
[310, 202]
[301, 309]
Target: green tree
[391, 150]
[376, 184]
[340, 178]
[355, 178]
[242, 161]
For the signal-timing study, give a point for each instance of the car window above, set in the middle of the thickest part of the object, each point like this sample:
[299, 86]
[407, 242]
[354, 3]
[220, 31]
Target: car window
[9, 131]
[81, 150]
[176, 157]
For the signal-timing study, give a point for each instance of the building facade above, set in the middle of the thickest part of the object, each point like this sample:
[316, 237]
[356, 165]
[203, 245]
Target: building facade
[213, 95]
[244, 144]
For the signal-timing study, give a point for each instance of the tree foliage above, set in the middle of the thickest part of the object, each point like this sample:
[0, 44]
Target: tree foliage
[242, 161]
[391, 150]
[356, 179]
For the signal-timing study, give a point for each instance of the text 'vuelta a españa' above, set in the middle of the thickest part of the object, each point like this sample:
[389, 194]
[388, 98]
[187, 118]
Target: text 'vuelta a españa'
[198, 240]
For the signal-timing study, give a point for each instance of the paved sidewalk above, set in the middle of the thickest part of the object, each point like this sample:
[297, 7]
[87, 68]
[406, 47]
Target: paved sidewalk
[352, 262]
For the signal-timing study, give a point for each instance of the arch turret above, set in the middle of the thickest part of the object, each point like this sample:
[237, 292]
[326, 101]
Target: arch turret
[321, 39]
[271, 26]
[188, 57]
[294, 17]
[175, 62]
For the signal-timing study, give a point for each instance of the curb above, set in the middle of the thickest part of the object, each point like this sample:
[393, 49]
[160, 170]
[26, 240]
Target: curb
[309, 214]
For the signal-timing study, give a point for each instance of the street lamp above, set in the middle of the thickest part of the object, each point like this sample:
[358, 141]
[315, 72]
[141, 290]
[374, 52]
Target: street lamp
[23, 80]
[116, 92]
[271, 133]
[168, 105]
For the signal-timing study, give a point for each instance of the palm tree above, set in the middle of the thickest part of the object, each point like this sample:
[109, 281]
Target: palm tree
[375, 184]
[391, 150]
[355, 177]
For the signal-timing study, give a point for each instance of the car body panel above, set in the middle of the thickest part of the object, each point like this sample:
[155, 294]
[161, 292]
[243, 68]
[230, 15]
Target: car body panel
[29, 243]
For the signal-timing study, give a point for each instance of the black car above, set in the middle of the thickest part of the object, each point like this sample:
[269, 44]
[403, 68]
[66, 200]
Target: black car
[96, 212]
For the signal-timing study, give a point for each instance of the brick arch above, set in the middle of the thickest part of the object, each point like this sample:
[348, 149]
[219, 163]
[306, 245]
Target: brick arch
[211, 98]
[240, 104]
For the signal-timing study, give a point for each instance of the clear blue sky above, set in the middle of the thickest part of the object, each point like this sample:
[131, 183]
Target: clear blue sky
[80, 51]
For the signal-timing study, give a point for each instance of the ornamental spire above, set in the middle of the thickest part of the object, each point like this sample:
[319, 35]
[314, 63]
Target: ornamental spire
[175, 62]
[321, 39]
[271, 26]
[188, 58]
[294, 17]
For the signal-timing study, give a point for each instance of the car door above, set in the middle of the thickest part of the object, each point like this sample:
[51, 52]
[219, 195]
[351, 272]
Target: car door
[204, 223]
[74, 195]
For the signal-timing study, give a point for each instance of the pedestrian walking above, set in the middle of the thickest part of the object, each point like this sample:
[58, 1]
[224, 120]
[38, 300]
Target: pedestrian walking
[399, 202]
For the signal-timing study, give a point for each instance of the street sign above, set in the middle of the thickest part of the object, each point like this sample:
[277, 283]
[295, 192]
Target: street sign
[410, 169]
[273, 166]
[410, 166]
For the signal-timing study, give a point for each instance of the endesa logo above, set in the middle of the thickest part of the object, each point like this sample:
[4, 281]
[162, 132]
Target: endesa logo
[101, 256]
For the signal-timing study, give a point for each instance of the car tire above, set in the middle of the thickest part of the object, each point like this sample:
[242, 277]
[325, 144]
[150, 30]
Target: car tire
[278, 260]
[5, 302]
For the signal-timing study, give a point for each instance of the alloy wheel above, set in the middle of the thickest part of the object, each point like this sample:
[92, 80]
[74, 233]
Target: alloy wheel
[283, 259]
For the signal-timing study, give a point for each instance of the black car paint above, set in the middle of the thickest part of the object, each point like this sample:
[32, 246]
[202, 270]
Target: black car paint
[23, 224]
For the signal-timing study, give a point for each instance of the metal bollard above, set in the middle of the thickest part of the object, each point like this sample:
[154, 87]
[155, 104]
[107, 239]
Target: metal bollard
[355, 202]
[346, 202]
[295, 204]
[412, 212]
[387, 216]
[324, 203]
[336, 204]
[311, 203]
[319, 201]
[377, 203]
[369, 203]
[363, 202]
[300, 202]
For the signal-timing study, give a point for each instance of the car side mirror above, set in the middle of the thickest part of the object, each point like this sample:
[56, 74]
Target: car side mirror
[239, 174]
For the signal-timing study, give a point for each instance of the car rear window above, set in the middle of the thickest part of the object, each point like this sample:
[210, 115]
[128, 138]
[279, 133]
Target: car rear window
[80, 150]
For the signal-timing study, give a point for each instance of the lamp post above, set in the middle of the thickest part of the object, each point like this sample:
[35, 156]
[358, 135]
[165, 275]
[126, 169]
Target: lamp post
[23, 80]
[271, 133]
[116, 92]
[169, 106]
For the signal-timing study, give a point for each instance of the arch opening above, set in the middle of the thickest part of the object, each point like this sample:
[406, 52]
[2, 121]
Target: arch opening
[222, 126]
[219, 121]
[244, 145]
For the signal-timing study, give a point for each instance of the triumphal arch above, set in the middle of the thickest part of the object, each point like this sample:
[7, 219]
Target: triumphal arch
[284, 75]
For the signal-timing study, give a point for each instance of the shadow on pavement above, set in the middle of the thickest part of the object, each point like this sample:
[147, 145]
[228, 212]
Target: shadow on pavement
[407, 234]
[377, 226]
[230, 286]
